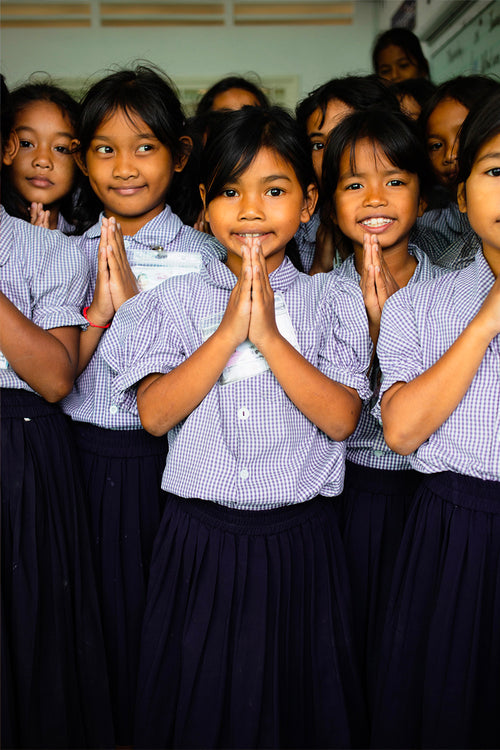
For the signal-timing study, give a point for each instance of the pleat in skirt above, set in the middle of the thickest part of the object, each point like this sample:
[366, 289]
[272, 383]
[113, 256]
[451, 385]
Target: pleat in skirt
[247, 638]
[54, 681]
[373, 509]
[123, 471]
[439, 675]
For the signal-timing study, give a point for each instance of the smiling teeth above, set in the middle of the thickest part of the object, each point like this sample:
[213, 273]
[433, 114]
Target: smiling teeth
[251, 234]
[378, 222]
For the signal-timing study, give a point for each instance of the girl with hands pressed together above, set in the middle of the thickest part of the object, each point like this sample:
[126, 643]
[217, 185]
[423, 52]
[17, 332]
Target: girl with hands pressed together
[439, 349]
[132, 145]
[374, 175]
[257, 371]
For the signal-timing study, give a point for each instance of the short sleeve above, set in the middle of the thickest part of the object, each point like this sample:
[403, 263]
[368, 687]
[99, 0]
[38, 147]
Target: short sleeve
[398, 349]
[60, 282]
[141, 340]
[346, 347]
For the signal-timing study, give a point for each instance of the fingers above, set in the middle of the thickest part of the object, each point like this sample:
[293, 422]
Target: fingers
[38, 216]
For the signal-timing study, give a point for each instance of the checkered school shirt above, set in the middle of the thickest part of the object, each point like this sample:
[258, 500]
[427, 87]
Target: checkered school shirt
[91, 399]
[367, 446]
[437, 229]
[246, 445]
[419, 324]
[44, 275]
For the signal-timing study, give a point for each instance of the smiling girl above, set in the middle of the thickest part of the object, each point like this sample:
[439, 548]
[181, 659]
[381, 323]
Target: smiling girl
[439, 349]
[255, 371]
[374, 172]
[132, 144]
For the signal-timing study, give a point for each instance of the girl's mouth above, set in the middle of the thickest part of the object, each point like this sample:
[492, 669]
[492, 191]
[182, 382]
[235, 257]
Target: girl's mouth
[377, 223]
[40, 182]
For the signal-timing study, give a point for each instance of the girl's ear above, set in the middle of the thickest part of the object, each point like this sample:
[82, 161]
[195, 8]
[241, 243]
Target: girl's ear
[310, 200]
[11, 148]
[422, 206]
[461, 198]
[78, 157]
[203, 194]
[187, 147]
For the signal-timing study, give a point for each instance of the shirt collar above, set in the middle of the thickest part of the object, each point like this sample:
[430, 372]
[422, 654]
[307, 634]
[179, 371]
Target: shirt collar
[217, 273]
[159, 231]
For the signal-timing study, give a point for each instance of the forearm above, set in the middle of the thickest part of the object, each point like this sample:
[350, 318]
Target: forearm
[45, 359]
[413, 411]
[334, 408]
[165, 400]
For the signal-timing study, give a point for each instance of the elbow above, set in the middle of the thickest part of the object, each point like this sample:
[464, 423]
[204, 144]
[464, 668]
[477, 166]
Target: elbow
[151, 423]
[153, 428]
[58, 389]
[399, 440]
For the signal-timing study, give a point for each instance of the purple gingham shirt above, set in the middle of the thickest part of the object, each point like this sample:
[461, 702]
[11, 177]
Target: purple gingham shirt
[246, 445]
[367, 446]
[91, 399]
[419, 324]
[437, 229]
[44, 275]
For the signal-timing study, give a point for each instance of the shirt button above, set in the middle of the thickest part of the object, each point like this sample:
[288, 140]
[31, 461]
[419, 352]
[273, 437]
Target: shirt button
[379, 453]
[244, 474]
[243, 413]
[113, 409]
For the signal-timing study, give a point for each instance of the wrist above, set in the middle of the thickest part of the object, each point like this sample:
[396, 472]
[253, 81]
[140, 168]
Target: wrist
[94, 319]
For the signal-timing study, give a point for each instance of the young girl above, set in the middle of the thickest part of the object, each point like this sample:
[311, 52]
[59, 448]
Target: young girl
[317, 115]
[132, 143]
[54, 684]
[439, 348]
[254, 369]
[397, 55]
[440, 121]
[40, 178]
[374, 172]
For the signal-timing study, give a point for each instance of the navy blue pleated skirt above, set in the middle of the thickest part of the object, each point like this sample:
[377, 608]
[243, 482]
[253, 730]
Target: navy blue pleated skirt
[373, 509]
[439, 675]
[247, 637]
[54, 683]
[123, 471]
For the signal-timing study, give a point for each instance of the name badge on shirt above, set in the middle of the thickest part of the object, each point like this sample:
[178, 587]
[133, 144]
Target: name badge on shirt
[247, 360]
[4, 365]
[152, 265]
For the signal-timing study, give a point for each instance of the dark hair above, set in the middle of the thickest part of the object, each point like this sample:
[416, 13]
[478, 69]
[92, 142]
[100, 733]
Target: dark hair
[233, 146]
[421, 89]
[7, 115]
[480, 126]
[147, 92]
[225, 84]
[393, 132]
[407, 41]
[358, 92]
[41, 90]
[468, 90]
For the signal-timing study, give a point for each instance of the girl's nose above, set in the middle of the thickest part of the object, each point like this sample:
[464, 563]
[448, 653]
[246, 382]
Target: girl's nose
[42, 157]
[251, 208]
[124, 167]
[375, 197]
[451, 152]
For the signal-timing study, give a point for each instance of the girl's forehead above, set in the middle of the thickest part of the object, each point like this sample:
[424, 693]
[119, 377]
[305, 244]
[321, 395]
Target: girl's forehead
[365, 153]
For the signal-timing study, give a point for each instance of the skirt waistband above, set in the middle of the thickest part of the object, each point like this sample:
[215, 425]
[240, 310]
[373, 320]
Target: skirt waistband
[368, 478]
[17, 403]
[118, 443]
[465, 491]
[251, 522]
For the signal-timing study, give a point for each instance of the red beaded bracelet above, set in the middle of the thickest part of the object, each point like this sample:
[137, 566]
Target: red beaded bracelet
[93, 325]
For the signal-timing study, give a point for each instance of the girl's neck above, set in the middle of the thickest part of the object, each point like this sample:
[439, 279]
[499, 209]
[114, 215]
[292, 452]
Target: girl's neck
[399, 260]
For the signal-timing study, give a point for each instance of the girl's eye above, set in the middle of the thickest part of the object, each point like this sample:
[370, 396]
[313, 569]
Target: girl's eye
[145, 147]
[434, 146]
[317, 146]
[62, 150]
[229, 193]
[25, 144]
[275, 192]
[353, 186]
[395, 183]
[494, 172]
[104, 149]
